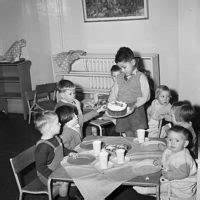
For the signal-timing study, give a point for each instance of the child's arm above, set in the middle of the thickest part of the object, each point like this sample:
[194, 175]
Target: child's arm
[43, 155]
[69, 152]
[145, 91]
[113, 92]
[176, 173]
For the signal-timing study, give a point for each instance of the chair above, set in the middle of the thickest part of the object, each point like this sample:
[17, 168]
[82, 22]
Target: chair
[32, 107]
[20, 163]
[46, 96]
[100, 123]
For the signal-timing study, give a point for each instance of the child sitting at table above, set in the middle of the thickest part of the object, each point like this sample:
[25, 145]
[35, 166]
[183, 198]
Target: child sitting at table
[49, 149]
[160, 108]
[69, 126]
[179, 173]
[67, 93]
[182, 113]
[132, 88]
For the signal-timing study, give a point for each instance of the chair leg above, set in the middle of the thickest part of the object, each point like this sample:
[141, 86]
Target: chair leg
[20, 195]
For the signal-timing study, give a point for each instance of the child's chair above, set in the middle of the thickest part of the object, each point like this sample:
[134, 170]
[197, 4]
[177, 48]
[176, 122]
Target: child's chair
[31, 103]
[21, 162]
[46, 96]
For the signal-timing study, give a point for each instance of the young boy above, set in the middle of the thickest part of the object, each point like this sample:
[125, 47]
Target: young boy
[179, 173]
[67, 93]
[133, 88]
[49, 149]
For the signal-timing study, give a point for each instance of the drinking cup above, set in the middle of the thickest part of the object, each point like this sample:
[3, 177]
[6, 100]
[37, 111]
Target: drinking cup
[141, 135]
[120, 155]
[96, 147]
[103, 159]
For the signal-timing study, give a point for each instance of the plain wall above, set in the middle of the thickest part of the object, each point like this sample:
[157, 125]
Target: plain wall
[53, 26]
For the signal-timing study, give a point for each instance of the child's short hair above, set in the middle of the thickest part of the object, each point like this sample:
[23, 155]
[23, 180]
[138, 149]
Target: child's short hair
[63, 85]
[65, 113]
[115, 68]
[183, 111]
[161, 88]
[42, 119]
[124, 54]
[180, 129]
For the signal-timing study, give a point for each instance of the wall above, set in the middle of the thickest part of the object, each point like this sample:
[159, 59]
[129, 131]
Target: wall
[52, 26]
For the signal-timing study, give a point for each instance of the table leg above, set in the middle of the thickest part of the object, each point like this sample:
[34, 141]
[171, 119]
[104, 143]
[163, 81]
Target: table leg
[158, 192]
[50, 193]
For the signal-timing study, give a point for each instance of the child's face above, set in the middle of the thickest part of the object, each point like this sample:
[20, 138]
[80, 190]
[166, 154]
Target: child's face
[164, 97]
[69, 94]
[54, 127]
[114, 75]
[127, 67]
[176, 141]
[73, 122]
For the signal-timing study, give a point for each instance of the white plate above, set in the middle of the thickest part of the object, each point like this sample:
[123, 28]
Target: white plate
[129, 111]
[126, 160]
[98, 166]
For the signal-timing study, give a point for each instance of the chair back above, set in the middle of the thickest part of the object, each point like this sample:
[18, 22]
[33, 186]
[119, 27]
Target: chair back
[46, 90]
[20, 162]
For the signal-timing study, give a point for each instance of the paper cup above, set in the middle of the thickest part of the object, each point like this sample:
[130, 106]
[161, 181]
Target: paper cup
[103, 159]
[96, 147]
[120, 155]
[141, 135]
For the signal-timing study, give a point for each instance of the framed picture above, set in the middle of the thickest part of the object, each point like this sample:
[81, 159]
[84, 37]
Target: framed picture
[110, 10]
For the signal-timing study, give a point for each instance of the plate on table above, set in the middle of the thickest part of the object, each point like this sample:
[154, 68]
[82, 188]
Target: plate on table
[82, 159]
[129, 111]
[88, 145]
[113, 147]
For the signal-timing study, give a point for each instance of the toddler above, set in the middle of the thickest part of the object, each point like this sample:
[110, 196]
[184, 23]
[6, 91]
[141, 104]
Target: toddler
[182, 113]
[159, 109]
[49, 149]
[133, 88]
[114, 71]
[179, 171]
[67, 93]
[69, 126]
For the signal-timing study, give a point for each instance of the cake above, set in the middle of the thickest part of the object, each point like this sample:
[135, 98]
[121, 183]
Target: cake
[114, 147]
[117, 108]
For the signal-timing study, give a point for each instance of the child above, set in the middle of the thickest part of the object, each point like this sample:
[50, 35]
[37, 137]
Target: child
[159, 109]
[67, 93]
[49, 149]
[69, 126]
[114, 71]
[133, 88]
[182, 113]
[179, 171]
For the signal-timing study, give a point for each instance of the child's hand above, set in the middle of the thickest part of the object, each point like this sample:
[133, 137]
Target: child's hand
[73, 155]
[102, 109]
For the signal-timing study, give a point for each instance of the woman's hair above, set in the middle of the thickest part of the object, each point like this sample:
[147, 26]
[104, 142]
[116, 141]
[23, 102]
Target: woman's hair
[63, 85]
[160, 89]
[44, 118]
[124, 54]
[65, 114]
[180, 129]
[183, 111]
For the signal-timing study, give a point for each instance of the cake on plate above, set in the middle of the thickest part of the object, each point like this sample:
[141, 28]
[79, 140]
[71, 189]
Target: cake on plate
[117, 108]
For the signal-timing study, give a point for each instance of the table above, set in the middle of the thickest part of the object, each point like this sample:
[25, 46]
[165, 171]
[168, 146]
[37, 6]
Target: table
[60, 174]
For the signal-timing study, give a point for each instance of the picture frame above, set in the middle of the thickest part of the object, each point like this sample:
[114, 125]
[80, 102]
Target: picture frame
[112, 10]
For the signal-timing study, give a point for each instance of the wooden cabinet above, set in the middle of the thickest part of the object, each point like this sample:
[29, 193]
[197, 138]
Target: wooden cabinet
[15, 79]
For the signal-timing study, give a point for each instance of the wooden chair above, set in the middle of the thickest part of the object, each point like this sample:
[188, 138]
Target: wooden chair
[46, 96]
[21, 162]
[31, 103]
